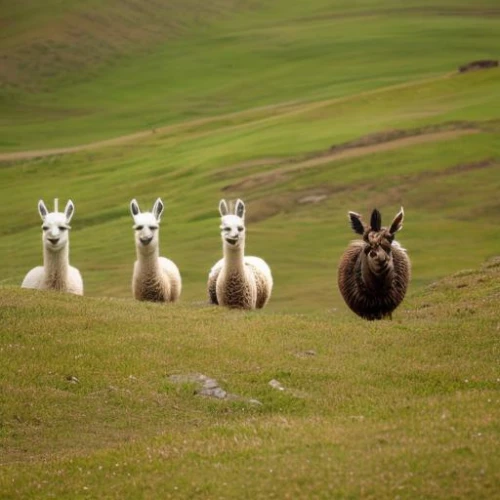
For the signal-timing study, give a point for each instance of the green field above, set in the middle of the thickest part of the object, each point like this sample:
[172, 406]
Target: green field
[404, 408]
[305, 112]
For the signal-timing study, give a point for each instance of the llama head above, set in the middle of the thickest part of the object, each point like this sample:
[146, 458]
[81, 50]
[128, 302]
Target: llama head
[378, 240]
[232, 223]
[146, 225]
[55, 225]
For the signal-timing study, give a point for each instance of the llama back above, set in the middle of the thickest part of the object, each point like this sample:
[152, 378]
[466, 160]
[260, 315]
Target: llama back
[174, 277]
[74, 283]
[37, 278]
[366, 303]
[212, 282]
[34, 278]
[402, 268]
[263, 279]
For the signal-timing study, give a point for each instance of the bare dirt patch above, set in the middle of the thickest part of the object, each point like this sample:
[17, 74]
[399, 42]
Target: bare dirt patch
[480, 64]
[373, 143]
[471, 166]
[288, 201]
[407, 183]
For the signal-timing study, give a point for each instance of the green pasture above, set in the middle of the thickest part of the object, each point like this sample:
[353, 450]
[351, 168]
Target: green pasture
[305, 110]
[405, 408]
[447, 183]
[73, 86]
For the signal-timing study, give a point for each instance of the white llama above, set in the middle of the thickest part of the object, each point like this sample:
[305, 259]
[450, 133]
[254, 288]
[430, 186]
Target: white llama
[56, 273]
[155, 278]
[238, 281]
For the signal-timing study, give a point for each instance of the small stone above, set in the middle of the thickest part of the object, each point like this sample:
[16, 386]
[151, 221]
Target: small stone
[210, 383]
[208, 387]
[276, 385]
[255, 402]
[216, 392]
[306, 354]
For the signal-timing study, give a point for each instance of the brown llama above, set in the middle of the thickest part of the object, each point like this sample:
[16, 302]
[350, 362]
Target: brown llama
[374, 272]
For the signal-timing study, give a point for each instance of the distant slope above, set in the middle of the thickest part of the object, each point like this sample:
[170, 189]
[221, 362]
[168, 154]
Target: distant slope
[78, 72]
[432, 147]
[262, 112]
[305, 110]
[48, 44]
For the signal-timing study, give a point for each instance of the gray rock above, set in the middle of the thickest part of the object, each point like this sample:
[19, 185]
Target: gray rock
[208, 387]
[276, 385]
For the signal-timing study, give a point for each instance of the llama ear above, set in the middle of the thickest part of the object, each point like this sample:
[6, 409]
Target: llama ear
[223, 208]
[239, 209]
[42, 209]
[356, 224]
[376, 220]
[158, 209]
[69, 210]
[134, 208]
[397, 223]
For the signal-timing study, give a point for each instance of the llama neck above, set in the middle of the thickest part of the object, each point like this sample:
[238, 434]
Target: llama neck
[148, 259]
[56, 264]
[236, 285]
[233, 258]
[377, 275]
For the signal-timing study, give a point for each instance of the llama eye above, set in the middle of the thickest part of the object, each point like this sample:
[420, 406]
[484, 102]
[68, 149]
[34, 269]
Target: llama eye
[62, 228]
[240, 228]
[153, 228]
[139, 228]
[227, 229]
[45, 228]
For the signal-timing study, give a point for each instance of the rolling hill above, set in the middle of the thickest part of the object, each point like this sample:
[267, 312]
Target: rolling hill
[305, 110]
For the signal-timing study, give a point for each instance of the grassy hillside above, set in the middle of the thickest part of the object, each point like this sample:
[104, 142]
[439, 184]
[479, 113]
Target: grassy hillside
[407, 408]
[78, 71]
[431, 147]
[56, 44]
[305, 110]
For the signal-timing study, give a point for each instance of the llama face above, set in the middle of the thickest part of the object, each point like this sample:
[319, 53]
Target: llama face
[232, 230]
[146, 229]
[378, 240]
[55, 226]
[378, 246]
[232, 224]
[146, 225]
